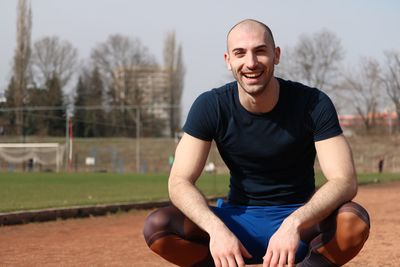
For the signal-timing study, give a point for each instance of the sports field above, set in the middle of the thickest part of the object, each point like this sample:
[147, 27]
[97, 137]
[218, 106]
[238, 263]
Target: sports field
[27, 191]
[116, 240]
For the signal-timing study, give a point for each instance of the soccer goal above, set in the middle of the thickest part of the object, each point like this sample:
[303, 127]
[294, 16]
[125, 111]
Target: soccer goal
[44, 154]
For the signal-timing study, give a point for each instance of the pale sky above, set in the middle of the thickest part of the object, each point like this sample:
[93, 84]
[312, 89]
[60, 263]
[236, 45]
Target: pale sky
[365, 27]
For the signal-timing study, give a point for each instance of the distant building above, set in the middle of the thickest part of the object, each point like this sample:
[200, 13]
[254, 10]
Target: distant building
[388, 119]
[151, 81]
[147, 87]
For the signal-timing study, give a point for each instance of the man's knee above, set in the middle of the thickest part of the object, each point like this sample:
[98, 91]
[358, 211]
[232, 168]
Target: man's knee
[171, 235]
[156, 225]
[353, 225]
[344, 235]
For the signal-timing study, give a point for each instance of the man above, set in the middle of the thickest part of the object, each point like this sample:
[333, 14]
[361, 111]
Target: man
[268, 131]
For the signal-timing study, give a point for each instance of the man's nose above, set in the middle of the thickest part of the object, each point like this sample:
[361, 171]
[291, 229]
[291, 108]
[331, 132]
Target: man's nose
[251, 60]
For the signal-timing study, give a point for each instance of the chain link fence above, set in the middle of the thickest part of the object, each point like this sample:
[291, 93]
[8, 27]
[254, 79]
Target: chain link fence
[143, 140]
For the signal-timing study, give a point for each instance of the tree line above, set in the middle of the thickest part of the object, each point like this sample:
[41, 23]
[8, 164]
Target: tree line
[369, 88]
[109, 88]
[110, 91]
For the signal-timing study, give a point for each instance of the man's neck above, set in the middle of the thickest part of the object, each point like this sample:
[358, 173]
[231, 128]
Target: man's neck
[263, 102]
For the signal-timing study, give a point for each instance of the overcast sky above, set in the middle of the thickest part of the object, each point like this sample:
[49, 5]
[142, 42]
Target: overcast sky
[366, 28]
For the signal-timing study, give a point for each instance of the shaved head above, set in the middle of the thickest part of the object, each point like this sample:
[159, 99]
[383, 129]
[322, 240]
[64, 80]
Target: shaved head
[250, 24]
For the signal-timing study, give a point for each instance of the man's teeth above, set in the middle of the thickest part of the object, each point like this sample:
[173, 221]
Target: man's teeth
[252, 75]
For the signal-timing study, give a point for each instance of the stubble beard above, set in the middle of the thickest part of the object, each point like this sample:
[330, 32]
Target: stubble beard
[253, 90]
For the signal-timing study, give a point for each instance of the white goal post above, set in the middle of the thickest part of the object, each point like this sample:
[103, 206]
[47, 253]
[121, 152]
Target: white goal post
[41, 153]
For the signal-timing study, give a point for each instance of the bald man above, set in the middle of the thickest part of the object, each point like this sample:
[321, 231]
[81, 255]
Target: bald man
[268, 132]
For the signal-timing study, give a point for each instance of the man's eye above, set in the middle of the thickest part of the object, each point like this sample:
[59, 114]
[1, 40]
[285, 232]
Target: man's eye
[239, 53]
[261, 51]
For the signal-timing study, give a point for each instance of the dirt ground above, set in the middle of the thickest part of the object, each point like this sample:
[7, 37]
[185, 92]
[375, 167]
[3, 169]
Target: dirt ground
[116, 240]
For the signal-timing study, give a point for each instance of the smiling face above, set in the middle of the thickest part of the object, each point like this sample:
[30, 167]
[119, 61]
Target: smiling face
[251, 56]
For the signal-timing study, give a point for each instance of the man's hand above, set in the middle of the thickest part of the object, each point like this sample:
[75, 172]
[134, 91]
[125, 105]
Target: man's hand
[282, 246]
[226, 249]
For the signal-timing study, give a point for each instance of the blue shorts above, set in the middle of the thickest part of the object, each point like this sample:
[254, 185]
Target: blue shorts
[254, 226]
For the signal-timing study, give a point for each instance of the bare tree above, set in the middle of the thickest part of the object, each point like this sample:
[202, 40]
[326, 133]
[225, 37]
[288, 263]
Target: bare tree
[173, 62]
[179, 74]
[391, 79]
[52, 56]
[21, 60]
[116, 60]
[119, 60]
[365, 90]
[286, 68]
[315, 60]
[169, 50]
[23, 49]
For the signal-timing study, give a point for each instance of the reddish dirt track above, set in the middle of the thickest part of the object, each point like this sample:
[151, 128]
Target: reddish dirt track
[116, 240]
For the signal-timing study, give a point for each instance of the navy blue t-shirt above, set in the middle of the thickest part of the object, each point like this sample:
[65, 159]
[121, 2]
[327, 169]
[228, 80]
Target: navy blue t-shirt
[270, 155]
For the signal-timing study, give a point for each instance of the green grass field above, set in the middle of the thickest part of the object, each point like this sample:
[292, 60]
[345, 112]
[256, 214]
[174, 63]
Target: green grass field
[27, 191]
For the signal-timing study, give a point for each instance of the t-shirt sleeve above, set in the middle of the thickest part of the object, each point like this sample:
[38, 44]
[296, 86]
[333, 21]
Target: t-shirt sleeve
[202, 118]
[325, 118]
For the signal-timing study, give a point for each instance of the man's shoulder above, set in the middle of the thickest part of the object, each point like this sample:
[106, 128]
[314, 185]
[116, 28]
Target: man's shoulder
[215, 99]
[219, 96]
[298, 87]
[300, 92]
[222, 91]
[225, 90]
[207, 112]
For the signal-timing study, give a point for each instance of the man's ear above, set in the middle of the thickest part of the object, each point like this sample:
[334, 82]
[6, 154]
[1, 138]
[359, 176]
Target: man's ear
[277, 55]
[227, 60]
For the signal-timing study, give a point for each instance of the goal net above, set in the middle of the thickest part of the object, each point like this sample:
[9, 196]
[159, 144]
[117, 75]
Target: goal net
[43, 154]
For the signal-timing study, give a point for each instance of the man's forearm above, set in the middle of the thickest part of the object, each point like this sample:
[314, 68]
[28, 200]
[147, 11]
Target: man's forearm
[186, 197]
[336, 161]
[329, 197]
